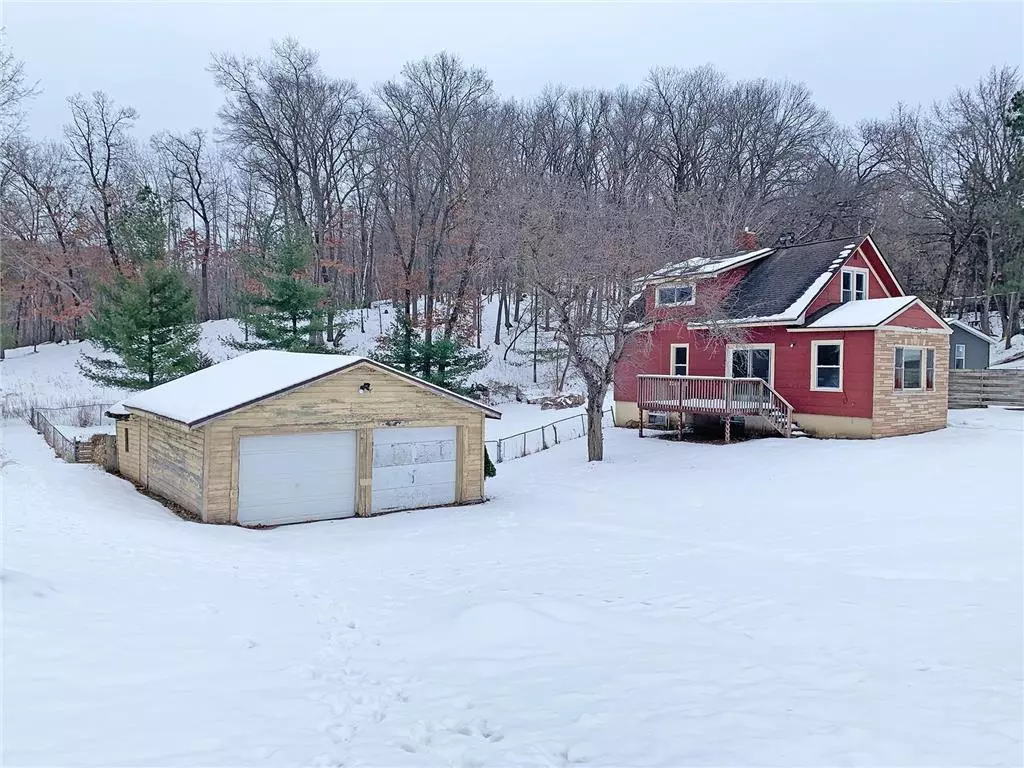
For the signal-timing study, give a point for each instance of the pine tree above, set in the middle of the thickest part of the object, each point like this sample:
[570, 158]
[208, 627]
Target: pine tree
[399, 348]
[455, 362]
[285, 311]
[147, 326]
[141, 231]
[452, 362]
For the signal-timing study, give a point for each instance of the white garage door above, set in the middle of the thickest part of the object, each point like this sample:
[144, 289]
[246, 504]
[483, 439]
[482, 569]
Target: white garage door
[413, 467]
[291, 478]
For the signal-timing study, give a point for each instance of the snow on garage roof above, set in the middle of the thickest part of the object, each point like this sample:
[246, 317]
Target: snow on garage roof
[251, 377]
[866, 313]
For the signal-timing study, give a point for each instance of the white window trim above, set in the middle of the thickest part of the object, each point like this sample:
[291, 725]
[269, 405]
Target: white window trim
[672, 359]
[657, 295]
[923, 389]
[842, 354]
[853, 282]
[957, 356]
[730, 348]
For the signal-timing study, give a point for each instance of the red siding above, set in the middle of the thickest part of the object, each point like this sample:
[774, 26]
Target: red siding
[832, 292]
[707, 293]
[650, 353]
[914, 317]
[878, 264]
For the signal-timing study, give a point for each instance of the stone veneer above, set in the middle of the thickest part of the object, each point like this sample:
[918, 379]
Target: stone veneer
[907, 412]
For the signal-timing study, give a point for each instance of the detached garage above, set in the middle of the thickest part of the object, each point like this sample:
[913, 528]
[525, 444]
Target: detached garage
[279, 437]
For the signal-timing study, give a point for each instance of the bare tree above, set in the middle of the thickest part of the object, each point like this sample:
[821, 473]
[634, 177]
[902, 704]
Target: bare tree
[584, 253]
[98, 135]
[14, 91]
[188, 162]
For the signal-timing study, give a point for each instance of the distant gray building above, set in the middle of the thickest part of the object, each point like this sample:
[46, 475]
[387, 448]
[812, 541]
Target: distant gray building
[968, 347]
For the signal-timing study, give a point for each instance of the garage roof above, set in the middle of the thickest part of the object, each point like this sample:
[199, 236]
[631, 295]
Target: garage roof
[249, 378]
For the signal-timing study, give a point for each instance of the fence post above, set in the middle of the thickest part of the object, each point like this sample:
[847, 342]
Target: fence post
[555, 427]
[499, 451]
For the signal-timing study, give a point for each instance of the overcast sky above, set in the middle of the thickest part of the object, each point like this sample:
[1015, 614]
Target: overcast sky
[859, 58]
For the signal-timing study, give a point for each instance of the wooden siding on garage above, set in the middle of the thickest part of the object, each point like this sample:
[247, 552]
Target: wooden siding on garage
[164, 457]
[175, 463]
[335, 403]
[128, 462]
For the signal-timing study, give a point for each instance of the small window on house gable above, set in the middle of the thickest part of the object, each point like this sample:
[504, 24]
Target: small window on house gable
[827, 366]
[855, 285]
[960, 356]
[669, 295]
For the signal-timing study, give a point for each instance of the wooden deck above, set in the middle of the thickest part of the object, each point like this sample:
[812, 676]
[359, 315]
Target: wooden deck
[713, 396]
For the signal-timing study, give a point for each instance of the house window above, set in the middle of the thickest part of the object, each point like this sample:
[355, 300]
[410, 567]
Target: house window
[827, 366]
[855, 285]
[914, 368]
[959, 356]
[669, 295]
[680, 359]
[751, 362]
[126, 439]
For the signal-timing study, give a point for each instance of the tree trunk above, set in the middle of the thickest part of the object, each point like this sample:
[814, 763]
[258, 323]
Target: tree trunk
[536, 324]
[204, 286]
[497, 324]
[407, 351]
[479, 311]
[595, 432]
[1011, 325]
[990, 270]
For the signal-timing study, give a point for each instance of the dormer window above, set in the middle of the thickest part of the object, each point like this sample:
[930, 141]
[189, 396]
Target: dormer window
[673, 295]
[855, 285]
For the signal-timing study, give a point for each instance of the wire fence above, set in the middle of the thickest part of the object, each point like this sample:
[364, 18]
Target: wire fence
[540, 439]
[61, 427]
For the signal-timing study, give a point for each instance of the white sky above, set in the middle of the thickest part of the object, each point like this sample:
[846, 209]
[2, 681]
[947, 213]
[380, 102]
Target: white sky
[859, 58]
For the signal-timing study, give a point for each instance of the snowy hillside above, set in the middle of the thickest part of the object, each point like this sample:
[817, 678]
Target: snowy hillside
[583, 616]
[49, 376]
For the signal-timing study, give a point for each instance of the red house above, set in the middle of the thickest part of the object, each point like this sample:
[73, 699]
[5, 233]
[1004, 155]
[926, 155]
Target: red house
[818, 336]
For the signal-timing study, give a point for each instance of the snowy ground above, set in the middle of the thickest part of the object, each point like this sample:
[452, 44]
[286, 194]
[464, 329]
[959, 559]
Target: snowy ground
[771, 602]
[48, 376]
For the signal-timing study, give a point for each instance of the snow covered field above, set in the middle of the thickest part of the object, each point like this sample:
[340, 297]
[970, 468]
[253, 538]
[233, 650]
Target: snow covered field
[771, 602]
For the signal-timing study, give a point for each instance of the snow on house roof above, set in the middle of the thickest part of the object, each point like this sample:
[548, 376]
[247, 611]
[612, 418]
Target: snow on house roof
[867, 313]
[781, 287]
[242, 380]
[706, 267]
[964, 326]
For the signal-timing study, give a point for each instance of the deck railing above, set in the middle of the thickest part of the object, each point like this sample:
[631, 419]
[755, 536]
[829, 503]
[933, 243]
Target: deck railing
[716, 396]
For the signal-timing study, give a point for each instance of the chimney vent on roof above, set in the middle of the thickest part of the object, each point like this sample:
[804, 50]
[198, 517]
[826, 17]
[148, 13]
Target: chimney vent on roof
[746, 240]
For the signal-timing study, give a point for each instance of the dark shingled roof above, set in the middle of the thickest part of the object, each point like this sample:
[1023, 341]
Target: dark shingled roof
[774, 283]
